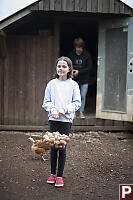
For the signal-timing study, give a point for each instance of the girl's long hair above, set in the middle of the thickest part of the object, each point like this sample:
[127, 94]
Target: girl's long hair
[69, 62]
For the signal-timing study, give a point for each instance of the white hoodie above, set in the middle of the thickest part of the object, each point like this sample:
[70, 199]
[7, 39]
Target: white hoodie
[62, 95]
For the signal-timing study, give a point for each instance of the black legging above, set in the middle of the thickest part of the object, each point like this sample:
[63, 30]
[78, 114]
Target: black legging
[63, 128]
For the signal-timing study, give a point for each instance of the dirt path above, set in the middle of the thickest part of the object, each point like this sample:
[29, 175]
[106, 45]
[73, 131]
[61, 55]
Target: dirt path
[96, 164]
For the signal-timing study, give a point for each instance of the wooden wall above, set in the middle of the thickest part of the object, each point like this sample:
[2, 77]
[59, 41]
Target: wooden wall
[1, 90]
[24, 73]
[2, 59]
[93, 6]
[29, 65]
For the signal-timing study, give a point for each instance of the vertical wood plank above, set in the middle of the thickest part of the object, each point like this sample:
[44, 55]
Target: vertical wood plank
[112, 6]
[89, 5]
[6, 80]
[33, 40]
[46, 4]
[73, 5]
[94, 6]
[49, 57]
[19, 72]
[48, 71]
[64, 5]
[77, 5]
[1, 90]
[17, 77]
[32, 46]
[117, 6]
[105, 6]
[53, 59]
[29, 85]
[58, 5]
[69, 5]
[9, 83]
[83, 5]
[22, 61]
[52, 3]
[100, 5]
[40, 5]
[11, 77]
[36, 62]
[122, 6]
[56, 39]
[26, 79]
[2, 63]
[41, 76]
[127, 10]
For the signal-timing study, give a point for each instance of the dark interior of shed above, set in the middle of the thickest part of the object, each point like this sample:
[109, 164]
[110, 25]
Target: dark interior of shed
[89, 32]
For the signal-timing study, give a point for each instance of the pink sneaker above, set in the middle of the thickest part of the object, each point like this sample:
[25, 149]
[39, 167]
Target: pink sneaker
[51, 179]
[59, 182]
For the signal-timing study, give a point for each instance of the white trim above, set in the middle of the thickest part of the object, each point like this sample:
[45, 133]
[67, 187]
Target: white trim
[15, 18]
[128, 3]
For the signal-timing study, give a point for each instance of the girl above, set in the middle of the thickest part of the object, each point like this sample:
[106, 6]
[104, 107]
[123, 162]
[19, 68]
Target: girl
[61, 100]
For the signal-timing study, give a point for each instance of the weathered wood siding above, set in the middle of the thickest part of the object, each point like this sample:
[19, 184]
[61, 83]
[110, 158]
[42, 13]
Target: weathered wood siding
[96, 122]
[2, 58]
[1, 90]
[29, 65]
[92, 6]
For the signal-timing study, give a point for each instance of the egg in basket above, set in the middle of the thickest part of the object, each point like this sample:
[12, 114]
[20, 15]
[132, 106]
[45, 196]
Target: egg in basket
[56, 139]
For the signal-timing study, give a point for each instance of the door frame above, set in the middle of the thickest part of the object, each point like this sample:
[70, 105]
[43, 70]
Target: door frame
[114, 115]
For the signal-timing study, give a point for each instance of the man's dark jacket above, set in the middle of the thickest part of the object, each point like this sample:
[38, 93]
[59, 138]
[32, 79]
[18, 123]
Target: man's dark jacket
[82, 63]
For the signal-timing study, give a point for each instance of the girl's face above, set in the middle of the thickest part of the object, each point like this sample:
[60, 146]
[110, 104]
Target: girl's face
[62, 69]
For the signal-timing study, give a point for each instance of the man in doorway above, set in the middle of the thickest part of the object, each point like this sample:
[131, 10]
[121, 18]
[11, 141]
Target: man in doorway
[82, 64]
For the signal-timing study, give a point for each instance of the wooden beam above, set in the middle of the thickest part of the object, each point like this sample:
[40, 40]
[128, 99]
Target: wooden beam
[2, 44]
[2, 63]
[14, 18]
[74, 128]
[57, 38]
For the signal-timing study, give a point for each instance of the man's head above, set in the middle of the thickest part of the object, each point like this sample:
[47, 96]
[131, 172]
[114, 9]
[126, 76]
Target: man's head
[78, 45]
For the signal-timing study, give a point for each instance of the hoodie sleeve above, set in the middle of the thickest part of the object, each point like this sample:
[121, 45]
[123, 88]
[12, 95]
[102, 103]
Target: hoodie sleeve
[76, 100]
[47, 103]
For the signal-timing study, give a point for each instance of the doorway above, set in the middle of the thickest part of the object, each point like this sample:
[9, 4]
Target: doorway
[89, 33]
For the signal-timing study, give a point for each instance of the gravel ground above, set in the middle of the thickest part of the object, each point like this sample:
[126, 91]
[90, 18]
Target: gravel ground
[97, 162]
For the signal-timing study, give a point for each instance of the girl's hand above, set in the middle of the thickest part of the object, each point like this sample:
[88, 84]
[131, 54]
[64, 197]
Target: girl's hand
[56, 116]
[61, 112]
